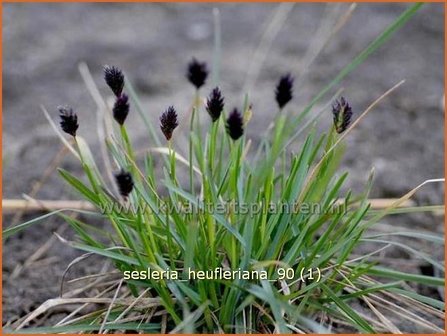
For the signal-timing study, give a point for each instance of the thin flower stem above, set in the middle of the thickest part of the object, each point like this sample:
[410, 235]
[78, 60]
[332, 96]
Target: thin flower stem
[128, 148]
[191, 172]
[197, 108]
[172, 162]
[212, 148]
[86, 168]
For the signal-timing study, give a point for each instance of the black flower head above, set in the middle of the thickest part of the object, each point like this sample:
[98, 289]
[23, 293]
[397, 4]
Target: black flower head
[168, 122]
[124, 182]
[114, 78]
[69, 120]
[284, 90]
[342, 113]
[197, 73]
[121, 109]
[235, 125]
[215, 104]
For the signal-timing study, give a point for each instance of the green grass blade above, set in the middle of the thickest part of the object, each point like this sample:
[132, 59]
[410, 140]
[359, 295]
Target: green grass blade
[360, 323]
[150, 327]
[391, 274]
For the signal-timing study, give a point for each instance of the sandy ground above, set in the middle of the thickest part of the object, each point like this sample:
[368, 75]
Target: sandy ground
[44, 43]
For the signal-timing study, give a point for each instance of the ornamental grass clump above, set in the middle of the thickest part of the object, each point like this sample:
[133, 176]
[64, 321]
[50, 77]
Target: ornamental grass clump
[254, 240]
